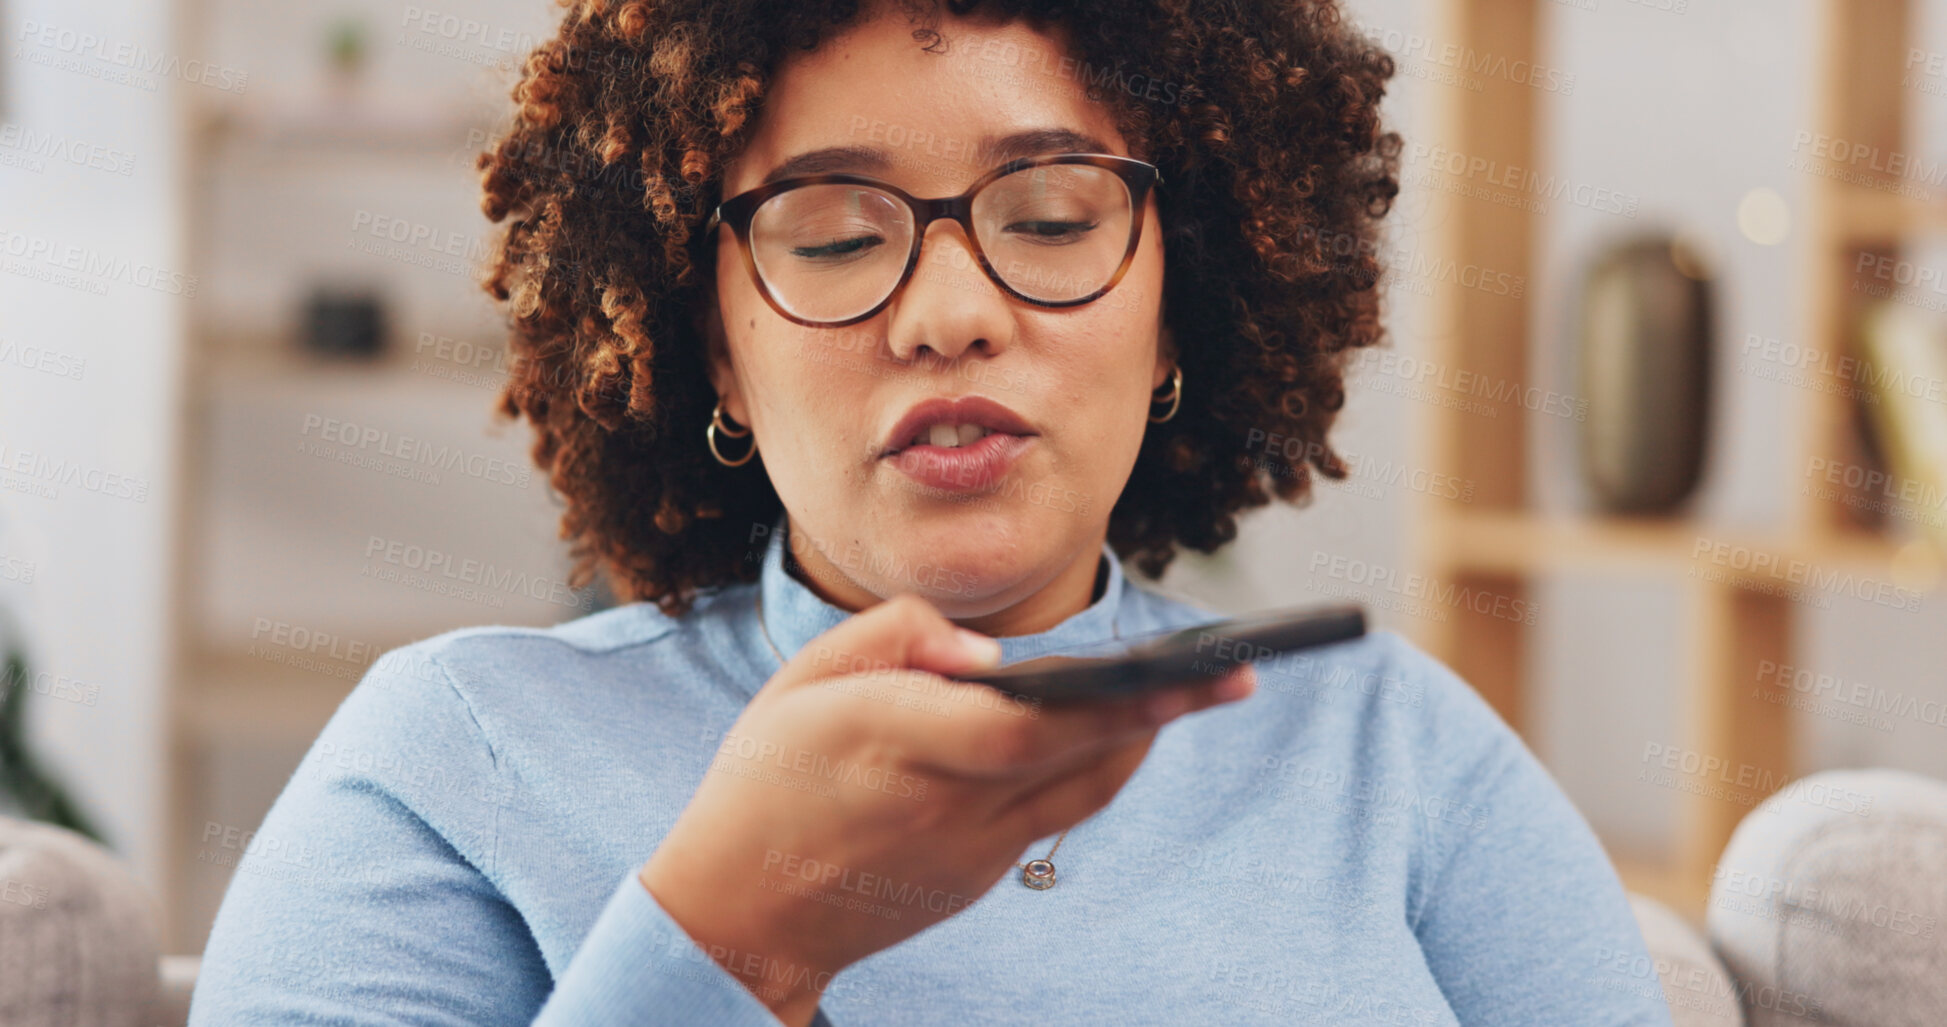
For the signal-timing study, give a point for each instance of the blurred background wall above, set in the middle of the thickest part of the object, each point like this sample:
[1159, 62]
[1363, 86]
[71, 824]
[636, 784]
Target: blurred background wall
[200, 199]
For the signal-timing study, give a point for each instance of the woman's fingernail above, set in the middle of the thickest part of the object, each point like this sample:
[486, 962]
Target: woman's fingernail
[1235, 686]
[980, 647]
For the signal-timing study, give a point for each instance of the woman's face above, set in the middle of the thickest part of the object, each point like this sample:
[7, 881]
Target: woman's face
[976, 538]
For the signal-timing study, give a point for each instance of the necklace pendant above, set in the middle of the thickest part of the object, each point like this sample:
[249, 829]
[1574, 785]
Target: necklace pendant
[1038, 874]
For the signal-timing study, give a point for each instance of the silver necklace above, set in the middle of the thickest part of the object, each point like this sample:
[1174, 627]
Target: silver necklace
[1038, 874]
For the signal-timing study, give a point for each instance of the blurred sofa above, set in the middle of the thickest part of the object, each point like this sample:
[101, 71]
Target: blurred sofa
[1827, 908]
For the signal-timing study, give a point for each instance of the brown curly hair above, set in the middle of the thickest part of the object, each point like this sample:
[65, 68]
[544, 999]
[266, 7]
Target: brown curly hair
[1277, 173]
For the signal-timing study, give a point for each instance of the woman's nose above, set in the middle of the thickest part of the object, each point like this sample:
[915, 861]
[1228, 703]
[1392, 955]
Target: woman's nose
[949, 305]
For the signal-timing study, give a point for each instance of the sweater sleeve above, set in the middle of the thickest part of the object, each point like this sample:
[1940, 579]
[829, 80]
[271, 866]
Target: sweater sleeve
[1521, 917]
[638, 966]
[366, 897]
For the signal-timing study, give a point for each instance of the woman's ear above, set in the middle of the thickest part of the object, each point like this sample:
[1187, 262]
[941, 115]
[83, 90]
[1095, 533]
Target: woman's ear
[1165, 354]
[716, 358]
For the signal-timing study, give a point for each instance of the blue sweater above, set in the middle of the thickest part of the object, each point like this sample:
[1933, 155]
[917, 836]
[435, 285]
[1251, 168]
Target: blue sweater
[1360, 841]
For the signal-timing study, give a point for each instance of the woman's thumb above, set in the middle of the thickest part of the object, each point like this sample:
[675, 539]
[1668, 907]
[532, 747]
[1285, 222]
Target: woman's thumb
[901, 633]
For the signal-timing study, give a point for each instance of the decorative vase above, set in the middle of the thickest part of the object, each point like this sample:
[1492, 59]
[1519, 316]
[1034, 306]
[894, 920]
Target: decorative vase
[1645, 359]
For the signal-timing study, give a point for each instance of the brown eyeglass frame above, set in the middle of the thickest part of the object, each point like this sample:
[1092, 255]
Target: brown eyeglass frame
[1138, 176]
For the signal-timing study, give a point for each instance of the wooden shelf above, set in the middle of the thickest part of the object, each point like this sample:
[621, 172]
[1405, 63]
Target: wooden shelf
[362, 125]
[1862, 216]
[1513, 543]
[1743, 612]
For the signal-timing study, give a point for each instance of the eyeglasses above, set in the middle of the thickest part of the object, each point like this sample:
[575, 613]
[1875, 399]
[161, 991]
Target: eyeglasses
[1057, 230]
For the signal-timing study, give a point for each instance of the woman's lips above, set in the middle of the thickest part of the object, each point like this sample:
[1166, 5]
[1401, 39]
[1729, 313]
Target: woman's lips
[962, 468]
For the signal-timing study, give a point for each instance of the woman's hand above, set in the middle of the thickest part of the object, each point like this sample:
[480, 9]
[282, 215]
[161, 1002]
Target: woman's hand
[860, 782]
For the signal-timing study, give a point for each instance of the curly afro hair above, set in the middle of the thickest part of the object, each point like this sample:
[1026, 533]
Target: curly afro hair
[1278, 172]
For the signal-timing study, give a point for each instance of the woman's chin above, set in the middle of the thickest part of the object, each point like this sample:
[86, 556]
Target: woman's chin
[973, 566]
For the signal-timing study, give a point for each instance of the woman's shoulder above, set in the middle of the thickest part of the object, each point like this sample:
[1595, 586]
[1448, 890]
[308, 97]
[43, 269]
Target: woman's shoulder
[1376, 709]
[506, 678]
[502, 651]
[1392, 674]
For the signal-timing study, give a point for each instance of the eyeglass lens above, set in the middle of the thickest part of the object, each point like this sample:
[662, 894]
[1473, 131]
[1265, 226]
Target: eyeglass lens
[833, 251]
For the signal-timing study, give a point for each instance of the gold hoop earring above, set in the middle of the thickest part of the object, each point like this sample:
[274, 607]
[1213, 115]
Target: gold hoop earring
[717, 424]
[1175, 396]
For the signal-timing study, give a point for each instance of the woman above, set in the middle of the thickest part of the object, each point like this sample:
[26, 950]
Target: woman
[836, 441]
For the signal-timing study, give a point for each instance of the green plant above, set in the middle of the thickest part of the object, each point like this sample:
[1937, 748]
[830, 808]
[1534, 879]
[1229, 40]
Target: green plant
[345, 41]
[33, 789]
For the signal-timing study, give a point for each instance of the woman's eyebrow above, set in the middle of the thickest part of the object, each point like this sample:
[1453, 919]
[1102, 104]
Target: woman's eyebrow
[992, 150]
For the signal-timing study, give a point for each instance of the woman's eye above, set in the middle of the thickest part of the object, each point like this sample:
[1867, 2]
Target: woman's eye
[837, 247]
[1051, 231]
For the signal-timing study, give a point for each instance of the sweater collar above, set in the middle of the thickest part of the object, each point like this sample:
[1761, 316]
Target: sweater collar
[793, 614]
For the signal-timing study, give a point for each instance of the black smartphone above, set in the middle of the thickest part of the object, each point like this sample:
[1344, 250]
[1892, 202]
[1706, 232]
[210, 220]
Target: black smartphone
[1176, 657]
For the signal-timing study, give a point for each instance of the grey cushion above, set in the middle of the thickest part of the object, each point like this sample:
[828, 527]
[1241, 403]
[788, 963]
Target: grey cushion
[1695, 983]
[77, 932]
[1828, 903]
